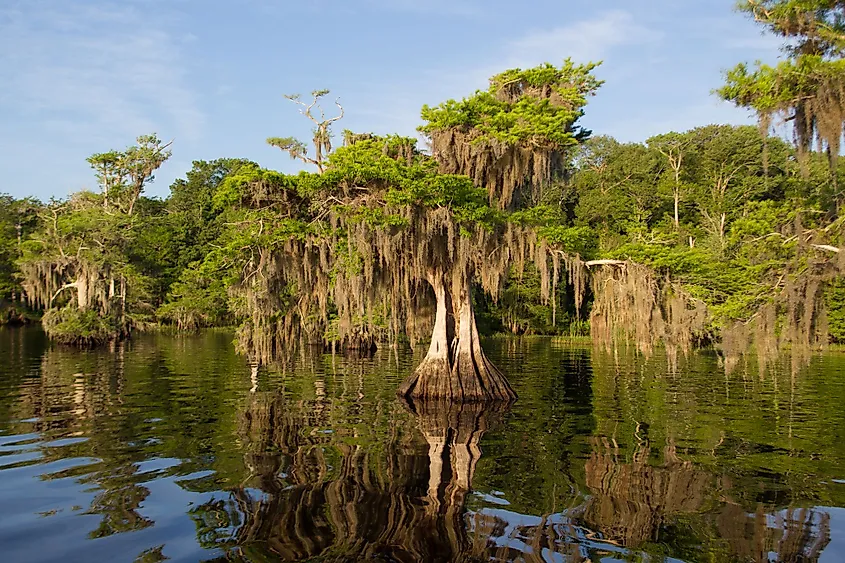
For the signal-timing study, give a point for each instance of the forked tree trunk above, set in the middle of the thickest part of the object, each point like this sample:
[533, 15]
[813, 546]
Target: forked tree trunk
[456, 368]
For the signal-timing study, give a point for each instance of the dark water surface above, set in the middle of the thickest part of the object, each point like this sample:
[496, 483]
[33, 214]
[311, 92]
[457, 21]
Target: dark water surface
[168, 448]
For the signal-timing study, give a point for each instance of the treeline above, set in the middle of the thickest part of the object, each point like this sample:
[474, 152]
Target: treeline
[100, 264]
[517, 220]
[710, 208]
[715, 209]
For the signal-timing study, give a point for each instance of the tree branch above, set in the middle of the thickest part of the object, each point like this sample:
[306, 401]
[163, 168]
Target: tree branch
[592, 263]
[61, 289]
[827, 247]
[333, 119]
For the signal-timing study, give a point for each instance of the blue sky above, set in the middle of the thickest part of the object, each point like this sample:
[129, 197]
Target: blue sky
[85, 76]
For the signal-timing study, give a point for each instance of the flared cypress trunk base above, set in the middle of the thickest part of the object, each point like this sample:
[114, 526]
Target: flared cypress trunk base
[434, 373]
[455, 368]
[479, 378]
[472, 377]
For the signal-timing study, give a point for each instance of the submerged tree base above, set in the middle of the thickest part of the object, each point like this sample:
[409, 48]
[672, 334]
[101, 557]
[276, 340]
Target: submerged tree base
[467, 381]
[455, 368]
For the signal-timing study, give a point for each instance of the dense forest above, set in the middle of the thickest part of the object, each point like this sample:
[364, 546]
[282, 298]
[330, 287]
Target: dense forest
[509, 217]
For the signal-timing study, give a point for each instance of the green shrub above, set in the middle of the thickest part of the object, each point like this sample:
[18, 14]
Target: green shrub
[73, 327]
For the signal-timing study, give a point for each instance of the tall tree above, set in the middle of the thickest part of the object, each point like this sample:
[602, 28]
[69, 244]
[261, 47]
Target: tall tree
[807, 88]
[139, 163]
[81, 247]
[516, 136]
[728, 169]
[109, 171]
[674, 148]
[511, 140]
[388, 240]
[123, 175]
[617, 185]
[18, 219]
[322, 139]
[188, 263]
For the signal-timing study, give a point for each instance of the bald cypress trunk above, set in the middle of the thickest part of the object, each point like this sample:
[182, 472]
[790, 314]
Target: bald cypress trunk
[82, 295]
[478, 377]
[455, 368]
[435, 370]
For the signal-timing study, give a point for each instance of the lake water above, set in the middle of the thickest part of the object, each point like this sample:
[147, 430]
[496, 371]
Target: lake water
[171, 448]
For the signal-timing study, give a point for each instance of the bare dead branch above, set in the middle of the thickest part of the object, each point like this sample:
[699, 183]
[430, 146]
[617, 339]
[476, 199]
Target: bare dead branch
[592, 263]
[333, 119]
[61, 289]
[827, 247]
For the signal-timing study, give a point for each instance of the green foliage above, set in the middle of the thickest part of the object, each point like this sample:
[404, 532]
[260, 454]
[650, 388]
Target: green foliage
[711, 208]
[806, 87]
[18, 219]
[737, 199]
[727, 288]
[368, 164]
[123, 175]
[171, 235]
[617, 186]
[97, 247]
[551, 224]
[813, 25]
[520, 309]
[392, 168]
[197, 299]
[294, 147]
[508, 112]
[252, 186]
[767, 88]
[70, 326]
[581, 240]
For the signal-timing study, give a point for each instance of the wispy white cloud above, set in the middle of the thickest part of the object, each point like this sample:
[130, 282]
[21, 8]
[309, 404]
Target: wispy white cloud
[695, 113]
[589, 39]
[98, 69]
[585, 40]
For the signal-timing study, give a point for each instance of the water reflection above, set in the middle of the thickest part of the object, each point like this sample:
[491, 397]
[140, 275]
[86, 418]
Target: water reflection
[632, 500]
[174, 448]
[310, 492]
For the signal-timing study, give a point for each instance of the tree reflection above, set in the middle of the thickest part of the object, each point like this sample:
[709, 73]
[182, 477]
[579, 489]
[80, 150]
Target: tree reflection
[310, 493]
[634, 502]
[78, 396]
[631, 501]
[402, 499]
[794, 535]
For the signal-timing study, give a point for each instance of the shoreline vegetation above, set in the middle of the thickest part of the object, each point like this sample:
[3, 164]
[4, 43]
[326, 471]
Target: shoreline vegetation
[516, 221]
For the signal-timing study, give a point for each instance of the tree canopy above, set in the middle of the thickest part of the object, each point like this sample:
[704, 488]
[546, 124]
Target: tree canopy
[514, 137]
[514, 218]
[807, 88]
